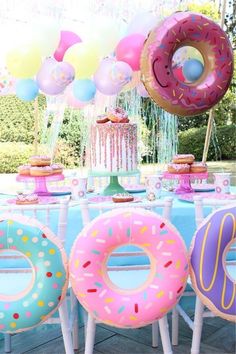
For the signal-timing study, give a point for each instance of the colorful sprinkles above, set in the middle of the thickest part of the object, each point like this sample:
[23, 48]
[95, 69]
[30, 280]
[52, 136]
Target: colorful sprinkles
[123, 308]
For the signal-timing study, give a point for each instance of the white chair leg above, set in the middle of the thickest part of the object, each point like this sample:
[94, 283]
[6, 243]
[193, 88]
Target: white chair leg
[155, 334]
[197, 327]
[74, 305]
[90, 335]
[165, 337]
[65, 328]
[7, 343]
[175, 327]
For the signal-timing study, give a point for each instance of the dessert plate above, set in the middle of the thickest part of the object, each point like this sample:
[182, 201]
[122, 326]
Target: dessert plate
[134, 188]
[42, 200]
[108, 199]
[202, 187]
[188, 197]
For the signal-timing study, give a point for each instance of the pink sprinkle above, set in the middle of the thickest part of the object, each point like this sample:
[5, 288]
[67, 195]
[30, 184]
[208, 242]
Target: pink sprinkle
[28, 314]
[13, 247]
[2, 326]
[1, 233]
[55, 286]
[1, 245]
[7, 306]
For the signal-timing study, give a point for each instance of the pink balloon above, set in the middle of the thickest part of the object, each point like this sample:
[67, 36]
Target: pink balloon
[142, 90]
[111, 76]
[53, 77]
[129, 50]
[68, 38]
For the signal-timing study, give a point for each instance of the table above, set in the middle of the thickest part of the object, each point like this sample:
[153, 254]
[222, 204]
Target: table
[182, 217]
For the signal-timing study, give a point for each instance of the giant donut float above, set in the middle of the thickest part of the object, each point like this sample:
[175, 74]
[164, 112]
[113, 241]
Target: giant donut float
[187, 29]
[105, 301]
[25, 310]
[208, 250]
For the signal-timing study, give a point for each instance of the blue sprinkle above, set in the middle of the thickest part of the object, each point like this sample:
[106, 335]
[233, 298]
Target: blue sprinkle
[162, 46]
[128, 232]
[95, 252]
[163, 232]
[95, 313]
[99, 285]
[121, 309]
[159, 275]
[145, 295]
[110, 231]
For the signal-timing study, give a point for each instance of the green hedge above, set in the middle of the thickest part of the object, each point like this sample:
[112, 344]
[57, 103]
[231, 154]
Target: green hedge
[222, 144]
[13, 154]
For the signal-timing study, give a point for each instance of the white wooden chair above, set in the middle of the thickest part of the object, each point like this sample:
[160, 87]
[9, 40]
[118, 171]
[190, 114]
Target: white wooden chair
[86, 209]
[47, 214]
[200, 312]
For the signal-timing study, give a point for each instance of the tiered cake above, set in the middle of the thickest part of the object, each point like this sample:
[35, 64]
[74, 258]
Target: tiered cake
[113, 147]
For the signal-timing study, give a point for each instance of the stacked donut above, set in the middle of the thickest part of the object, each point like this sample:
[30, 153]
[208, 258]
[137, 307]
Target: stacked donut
[40, 165]
[115, 115]
[184, 163]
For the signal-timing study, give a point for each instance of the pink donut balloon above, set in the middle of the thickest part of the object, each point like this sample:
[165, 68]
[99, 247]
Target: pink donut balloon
[209, 247]
[187, 29]
[166, 281]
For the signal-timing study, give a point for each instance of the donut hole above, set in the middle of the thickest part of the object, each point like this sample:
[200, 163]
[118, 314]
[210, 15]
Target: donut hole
[187, 64]
[229, 260]
[126, 272]
[16, 273]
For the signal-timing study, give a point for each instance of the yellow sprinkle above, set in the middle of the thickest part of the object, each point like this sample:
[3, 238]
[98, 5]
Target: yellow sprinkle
[222, 37]
[40, 303]
[164, 309]
[174, 46]
[180, 96]
[13, 324]
[173, 32]
[25, 238]
[51, 251]
[199, 27]
[143, 229]
[77, 263]
[222, 47]
[9, 222]
[206, 24]
[133, 318]
[94, 233]
[100, 272]
[167, 53]
[43, 317]
[160, 294]
[81, 294]
[177, 265]
[184, 34]
[146, 245]
[108, 300]
[58, 274]
[28, 254]
[230, 63]
[170, 242]
[177, 40]
[173, 93]
[219, 87]
[181, 89]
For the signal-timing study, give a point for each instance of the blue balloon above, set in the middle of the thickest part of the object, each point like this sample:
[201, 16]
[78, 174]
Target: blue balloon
[192, 69]
[27, 89]
[84, 90]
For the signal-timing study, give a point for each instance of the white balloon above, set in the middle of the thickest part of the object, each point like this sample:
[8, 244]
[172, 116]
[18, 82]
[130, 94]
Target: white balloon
[142, 23]
[46, 35]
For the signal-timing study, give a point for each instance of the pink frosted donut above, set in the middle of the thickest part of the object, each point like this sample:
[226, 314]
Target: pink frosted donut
[168, 267]
[208, 250]
[187, 29]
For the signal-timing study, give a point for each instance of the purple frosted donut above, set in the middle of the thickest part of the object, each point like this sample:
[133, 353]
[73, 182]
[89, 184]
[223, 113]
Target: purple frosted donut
[176, 31]
[209, 247]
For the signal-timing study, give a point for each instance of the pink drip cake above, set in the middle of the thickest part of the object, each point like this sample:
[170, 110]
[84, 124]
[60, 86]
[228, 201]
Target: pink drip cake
[113, 148]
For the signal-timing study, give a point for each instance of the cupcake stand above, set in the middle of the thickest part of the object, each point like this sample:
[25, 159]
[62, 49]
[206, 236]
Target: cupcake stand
[185, 180]
[40, 182]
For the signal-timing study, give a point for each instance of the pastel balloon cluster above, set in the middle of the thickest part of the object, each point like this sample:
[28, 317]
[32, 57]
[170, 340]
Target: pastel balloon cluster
[58, 61]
